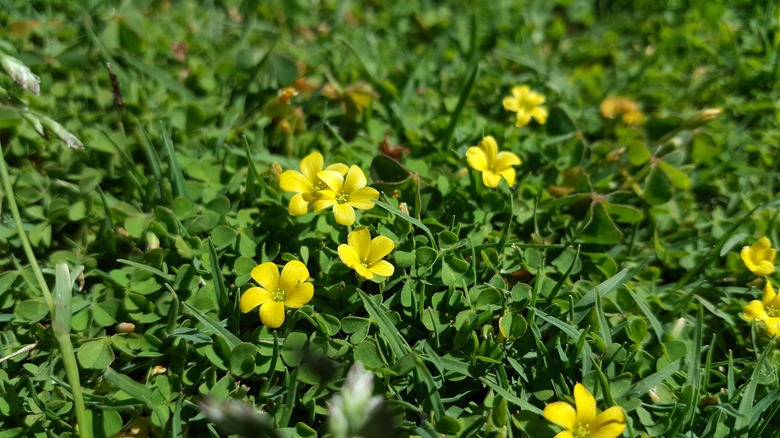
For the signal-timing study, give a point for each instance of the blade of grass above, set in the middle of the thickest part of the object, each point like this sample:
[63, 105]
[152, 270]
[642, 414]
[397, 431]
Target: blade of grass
[213, 325]
[217, 278]
[742, 423]
[63, 339]
[135, 390]
[464, 95]
[174, 170]
[409, 219]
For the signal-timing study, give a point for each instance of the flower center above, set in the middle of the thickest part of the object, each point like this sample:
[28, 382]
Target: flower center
[279, 296]
[771, 311]
[342, 198]
[581, 431]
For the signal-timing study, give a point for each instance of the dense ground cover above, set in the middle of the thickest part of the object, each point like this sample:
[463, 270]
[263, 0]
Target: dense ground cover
[558, 193]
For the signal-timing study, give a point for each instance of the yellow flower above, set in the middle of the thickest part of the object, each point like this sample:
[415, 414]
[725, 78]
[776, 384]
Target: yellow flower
[582, 421]
[365, 255]
[276, 291]
[345, 194]
[611, 107]
[306, 184]
[767, 310]
[526, 104]
[760, 257]
[494, 165]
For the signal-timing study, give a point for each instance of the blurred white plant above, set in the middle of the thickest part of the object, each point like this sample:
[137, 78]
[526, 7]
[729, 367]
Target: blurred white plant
[355, 411]
[29, 81]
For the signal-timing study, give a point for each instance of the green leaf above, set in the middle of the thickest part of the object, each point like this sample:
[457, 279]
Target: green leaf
[623, 213]
[679, 179]
[601, 229]
[638, 153]
[31, 311]
[636, 329]
[453, 269]
[223, 237]
[293, 348]
[242, 359]
[96, 355]
[658, 187]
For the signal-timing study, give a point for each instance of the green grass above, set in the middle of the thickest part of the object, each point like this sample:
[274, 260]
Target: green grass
[614, 260]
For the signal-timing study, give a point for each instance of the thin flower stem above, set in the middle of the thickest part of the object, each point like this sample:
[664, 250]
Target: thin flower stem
[66, 347]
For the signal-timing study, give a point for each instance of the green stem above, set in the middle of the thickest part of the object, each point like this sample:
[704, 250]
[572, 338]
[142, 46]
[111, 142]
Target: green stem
[66, 347]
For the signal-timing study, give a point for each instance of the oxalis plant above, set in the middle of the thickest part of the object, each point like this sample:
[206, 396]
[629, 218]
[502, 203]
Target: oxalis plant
[59, 303]
[335, 219]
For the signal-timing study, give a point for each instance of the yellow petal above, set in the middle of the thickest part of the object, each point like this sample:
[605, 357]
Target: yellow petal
[360, 240]
[311, 165]
[361, 198]
[326, 200]
[332, 179]
[764, 268]
[564, 434]
[380, 247]
[298, 205]
[272, 314]
[585, 404]
[363, 271]
[338, 167]
[299, 295]
[349, 256]
[561, 413]
[383, 268]
[476, 158]
[295, 182]
[253, 297]
[534, 99]
[345, 214]
[294, 272]
[510, 104]
[354, 180]
[523, 118]
[755, 310]
[508, 175]
[489, 145]
[520, 91]
[772, 325]
[266, 275]
[504, 160]
[769, 294]
[608, 424]
[540, 114]
[762, 243]
[490, 178]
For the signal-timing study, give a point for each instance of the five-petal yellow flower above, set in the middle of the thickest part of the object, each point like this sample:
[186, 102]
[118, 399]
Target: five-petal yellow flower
[494, 165]
[306, 183]
[582, 421]
[345, 194]
[760, 257]
[365, 255]
[277, 291]
[526, 104]
[767, 310]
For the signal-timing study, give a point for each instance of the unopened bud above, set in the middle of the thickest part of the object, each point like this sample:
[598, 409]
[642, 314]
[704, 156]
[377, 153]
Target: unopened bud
[159, 370]
[152, 240]
[404, 208]
[125, 327]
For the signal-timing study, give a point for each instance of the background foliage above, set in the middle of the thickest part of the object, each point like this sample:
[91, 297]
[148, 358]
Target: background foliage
[615, 255]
